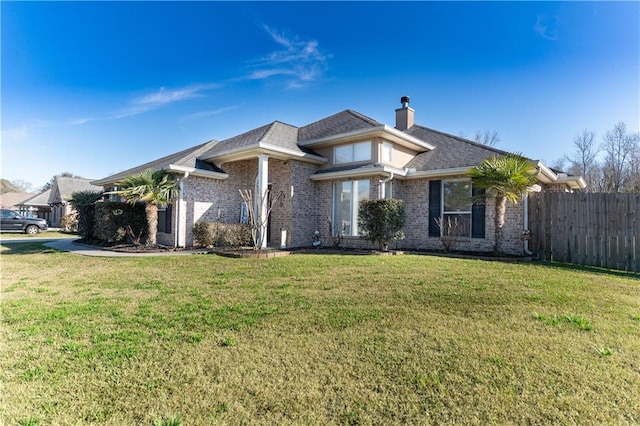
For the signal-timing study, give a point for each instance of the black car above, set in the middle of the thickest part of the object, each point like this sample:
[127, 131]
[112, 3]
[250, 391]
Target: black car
[12, 221]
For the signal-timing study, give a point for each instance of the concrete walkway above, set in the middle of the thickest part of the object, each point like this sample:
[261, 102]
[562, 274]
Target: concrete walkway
[68, 244]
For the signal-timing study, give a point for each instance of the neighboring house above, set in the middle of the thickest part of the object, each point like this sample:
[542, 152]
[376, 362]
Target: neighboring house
[318, 173]
[53, 203]
[13, 200]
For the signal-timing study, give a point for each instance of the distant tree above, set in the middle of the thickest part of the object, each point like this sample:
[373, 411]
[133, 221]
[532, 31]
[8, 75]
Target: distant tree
[504, 178]
[619, 147]
[16, 185]
[49, 184]
[152, 188]
[583, 159]
[487, 137]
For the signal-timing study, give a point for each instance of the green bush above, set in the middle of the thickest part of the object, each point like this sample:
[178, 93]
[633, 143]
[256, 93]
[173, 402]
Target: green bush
[83, 202]
[120, 222]
[381, 221]
[69, 222]
[208, 234]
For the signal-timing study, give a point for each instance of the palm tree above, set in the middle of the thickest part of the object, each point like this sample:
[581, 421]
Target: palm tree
[152, 188]
[503, 178]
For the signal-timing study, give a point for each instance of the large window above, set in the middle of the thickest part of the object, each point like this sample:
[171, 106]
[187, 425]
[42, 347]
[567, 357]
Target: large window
[346, 200]
[352, 153]
[456, 208]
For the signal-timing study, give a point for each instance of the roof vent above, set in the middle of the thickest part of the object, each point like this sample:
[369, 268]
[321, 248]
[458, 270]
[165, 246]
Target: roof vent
[404, 115]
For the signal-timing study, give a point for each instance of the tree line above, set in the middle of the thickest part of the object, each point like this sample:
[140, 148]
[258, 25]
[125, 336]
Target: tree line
[608, 164]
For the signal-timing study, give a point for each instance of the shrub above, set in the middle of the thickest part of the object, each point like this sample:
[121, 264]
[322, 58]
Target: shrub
[69, 222]
[381, 221]
[208, 234]
[117, 221]
[83, 202]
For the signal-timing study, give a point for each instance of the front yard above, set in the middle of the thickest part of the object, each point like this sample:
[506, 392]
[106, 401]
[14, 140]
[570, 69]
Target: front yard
[314, 339]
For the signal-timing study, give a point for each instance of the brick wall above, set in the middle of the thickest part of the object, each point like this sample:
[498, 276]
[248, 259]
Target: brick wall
[301, 206]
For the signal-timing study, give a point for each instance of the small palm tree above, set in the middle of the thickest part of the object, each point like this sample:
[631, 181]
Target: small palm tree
[152, 188]
[503, 178]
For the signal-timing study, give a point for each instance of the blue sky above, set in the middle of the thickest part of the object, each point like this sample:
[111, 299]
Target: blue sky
[94, 88]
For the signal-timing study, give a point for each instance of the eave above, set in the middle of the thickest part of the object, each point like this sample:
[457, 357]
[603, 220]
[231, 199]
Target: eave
[192, 171]
[389, 133]
[258, 149]
[360, 172]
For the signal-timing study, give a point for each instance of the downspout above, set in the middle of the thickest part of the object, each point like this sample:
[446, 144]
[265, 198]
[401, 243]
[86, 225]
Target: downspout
[178, 210]
[525, 225]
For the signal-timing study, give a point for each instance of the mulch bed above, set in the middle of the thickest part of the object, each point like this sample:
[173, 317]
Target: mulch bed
[248, 252]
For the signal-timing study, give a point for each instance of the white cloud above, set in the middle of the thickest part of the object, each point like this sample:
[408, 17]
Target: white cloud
[300, 60]
[209, 113]
[22, 132]
[547, 27]
[161, 97]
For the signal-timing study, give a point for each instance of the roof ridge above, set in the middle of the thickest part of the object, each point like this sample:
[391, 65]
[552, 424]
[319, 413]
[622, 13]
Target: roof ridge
[364, 117]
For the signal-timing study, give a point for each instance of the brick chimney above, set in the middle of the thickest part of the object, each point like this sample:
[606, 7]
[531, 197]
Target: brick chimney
[404, 115]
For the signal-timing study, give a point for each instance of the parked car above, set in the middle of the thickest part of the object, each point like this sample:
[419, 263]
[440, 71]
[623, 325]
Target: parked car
[12, 221]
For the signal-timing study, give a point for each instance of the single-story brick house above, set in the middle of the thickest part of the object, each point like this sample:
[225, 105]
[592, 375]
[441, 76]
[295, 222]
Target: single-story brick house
[316, 175]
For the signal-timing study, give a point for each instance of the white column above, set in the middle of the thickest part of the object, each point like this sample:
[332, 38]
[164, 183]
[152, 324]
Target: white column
[263, 186]
[181, 214]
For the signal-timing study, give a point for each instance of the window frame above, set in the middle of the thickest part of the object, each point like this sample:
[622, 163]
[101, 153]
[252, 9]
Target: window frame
[352, 155]
[354, 230]
[452, 213]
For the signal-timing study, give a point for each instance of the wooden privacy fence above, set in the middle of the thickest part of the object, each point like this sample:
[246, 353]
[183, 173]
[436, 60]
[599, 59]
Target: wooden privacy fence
[586, 228]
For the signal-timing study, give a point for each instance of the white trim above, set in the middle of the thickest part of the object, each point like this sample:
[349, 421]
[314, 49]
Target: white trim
[391, 133]
[359, 172]
[258, 149]
[413, 174]
[573, 182]
[198, 172]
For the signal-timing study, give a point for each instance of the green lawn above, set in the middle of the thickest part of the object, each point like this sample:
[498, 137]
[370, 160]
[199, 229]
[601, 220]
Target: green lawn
[314, 339]
[43, 234]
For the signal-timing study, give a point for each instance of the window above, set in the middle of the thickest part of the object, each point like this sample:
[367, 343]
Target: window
[346, 200]
[164, 218]
[386, 152]
[352, 153]
[112, 197]
[456, 208]
[386, 189]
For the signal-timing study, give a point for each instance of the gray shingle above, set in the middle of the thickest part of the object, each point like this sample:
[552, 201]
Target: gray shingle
[449, 151]
[63, 187]
[276, 133]
[342, 122]
[187, 158]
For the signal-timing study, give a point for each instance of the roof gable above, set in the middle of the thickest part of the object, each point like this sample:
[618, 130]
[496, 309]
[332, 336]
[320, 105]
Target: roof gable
[63, 187]
[342, 122]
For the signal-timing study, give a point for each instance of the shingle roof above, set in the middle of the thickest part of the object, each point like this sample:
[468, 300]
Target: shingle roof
[449, 152]
[342, 122]
[186, 158]
[63, 187]
[276, 133]
[41, 199]
[10, 199]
